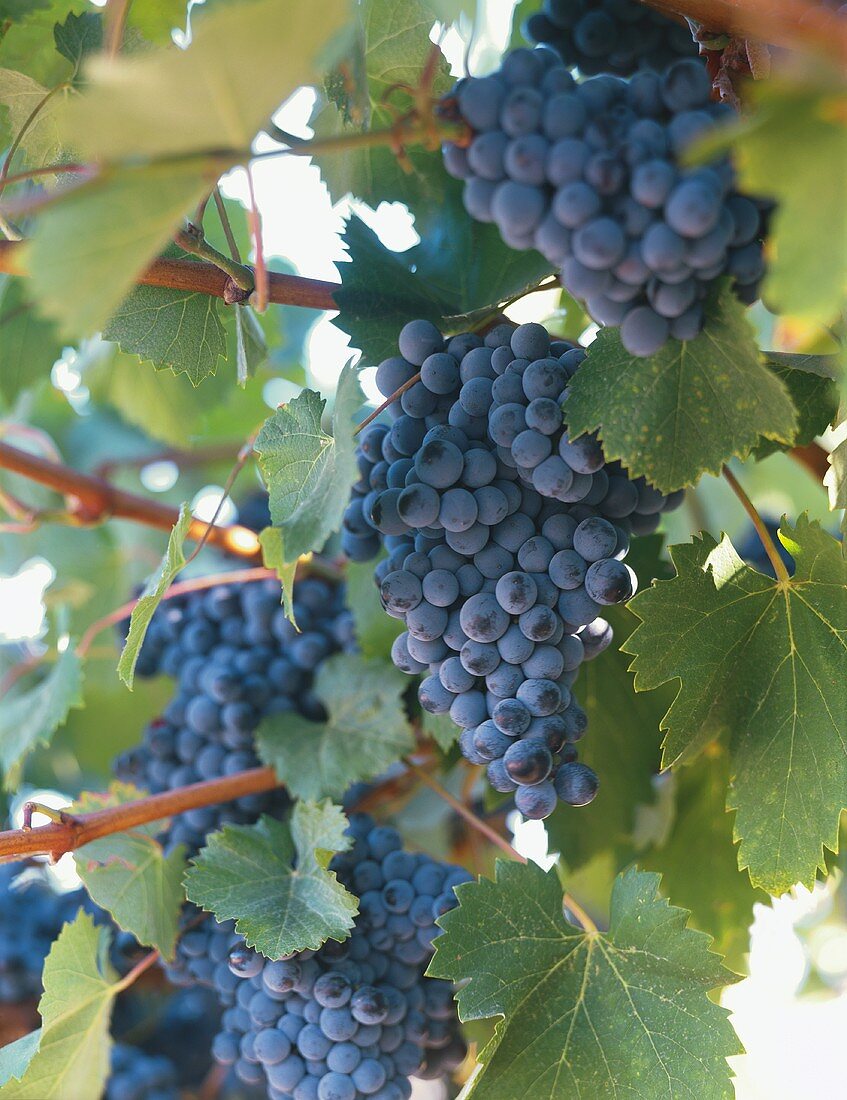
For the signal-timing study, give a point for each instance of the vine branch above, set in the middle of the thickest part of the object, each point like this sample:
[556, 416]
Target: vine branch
[98, 500]
[205, 278]
[75, 830]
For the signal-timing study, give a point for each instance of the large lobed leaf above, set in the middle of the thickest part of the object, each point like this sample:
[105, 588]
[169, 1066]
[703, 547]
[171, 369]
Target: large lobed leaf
[130, 875]
[366, 729]
[764, 662]
[586, 1014]
[810, 382]
[689, 408]
[248, 872]
[71, 1061]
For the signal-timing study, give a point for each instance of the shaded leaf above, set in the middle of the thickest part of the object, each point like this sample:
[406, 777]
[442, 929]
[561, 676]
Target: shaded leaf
[15, 1057]
[151, 597]
[686, 410]
[30, 718]
[790, 146]
[836, 482]
[274, 880]
[586, 1014]
[813, 393]
[460, 266]
[366, 729]
[130, 876]
[20, 95]
[375, 631]
[80, 35]
[763, 661]
[698, 860]
[29, 345]
[391, 46]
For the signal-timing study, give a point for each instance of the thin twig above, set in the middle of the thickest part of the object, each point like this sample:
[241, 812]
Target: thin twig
[762, 531]
[388, 401]
[482, 827]
[255, 220]
[239, 464]
[116, 16]
[140, 967]
[21, 134]
[231, 242]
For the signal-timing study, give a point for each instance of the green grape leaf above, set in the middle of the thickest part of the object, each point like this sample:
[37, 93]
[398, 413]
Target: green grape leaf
[156, 21]
[366, 729]
[248, 873]
[20, 95]
[151, 597]
[698, 861]
[391, 47]
[460, 266]
[763, 661]
[586, 1014]
[273, 557]
[79, 36]
[441, 728]
[180, 329]
[309, 474]
[243, 61]
[30, 345]
[130, 875]
[30, 717]
[375, 631]
[18, 10]
[251, 349]
[15, 1057]
[790, 146]
[687, 409]
[169, 408]
[88, 248]
[28, 45]
[836, 483]
[72, 1060]
[813, 393]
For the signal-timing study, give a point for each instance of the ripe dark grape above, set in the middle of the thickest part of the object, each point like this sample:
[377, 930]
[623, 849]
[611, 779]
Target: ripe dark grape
[489, 572]
[357, 1018]
[614, 203]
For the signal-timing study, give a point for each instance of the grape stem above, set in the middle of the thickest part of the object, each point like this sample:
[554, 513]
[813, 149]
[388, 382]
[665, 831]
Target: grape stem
[762, 531]
[388, 401]
[494, 837]
[140, 967]
[95, 500]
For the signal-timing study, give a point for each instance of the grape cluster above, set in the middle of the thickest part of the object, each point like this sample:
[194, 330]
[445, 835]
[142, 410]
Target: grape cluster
[590, 174]
[501, 586]
[609, 36]
[236, 659]
[137, 1075]
[32, 915]
[354, 1019]
[526, 421]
